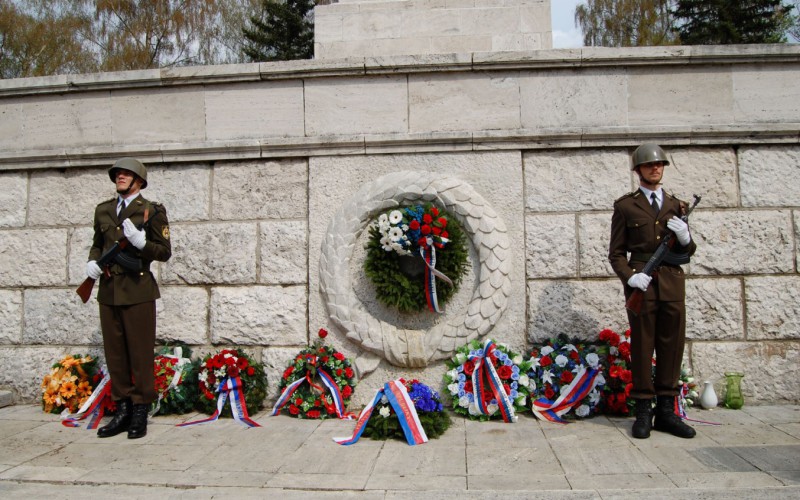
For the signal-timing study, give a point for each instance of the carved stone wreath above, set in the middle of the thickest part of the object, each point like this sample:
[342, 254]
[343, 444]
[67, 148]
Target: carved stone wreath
[406, 347]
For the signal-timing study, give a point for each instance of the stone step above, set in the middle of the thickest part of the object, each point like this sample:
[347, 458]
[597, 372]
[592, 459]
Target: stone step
[6, 398]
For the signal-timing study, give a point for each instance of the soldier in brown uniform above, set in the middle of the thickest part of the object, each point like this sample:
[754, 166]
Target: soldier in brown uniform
[641, 219]
[127, 293]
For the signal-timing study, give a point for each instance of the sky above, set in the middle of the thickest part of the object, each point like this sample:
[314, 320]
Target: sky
[565, 34]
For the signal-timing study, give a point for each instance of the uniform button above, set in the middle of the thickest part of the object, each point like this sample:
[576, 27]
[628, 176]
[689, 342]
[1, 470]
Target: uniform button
[657, 223]
[658, 237]
[141, 274]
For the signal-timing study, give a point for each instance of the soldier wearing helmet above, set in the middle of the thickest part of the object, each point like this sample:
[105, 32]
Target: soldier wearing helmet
[127, 293]
[640, 220]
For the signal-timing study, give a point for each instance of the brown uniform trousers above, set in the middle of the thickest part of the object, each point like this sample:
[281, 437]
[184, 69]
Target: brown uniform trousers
[660, 327]
[127, 299]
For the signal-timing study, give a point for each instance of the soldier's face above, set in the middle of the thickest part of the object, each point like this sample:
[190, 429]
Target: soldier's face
[650, 174]
[127, 182]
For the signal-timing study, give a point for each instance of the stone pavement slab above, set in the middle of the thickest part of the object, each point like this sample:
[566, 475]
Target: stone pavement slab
[753, 453]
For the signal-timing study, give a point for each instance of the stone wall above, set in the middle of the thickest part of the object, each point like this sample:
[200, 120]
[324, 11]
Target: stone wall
[362, 28]
[252, 161]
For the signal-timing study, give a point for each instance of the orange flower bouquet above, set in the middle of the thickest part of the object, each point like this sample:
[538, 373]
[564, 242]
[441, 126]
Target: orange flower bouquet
[69, 384]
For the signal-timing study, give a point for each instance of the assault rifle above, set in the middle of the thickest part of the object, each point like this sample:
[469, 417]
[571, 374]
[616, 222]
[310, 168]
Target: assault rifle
[663, 254]
[114, 254]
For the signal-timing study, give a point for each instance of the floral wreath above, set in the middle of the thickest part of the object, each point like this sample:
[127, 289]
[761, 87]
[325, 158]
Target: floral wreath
[384, 424]
[317, 384]
[409, 249]
[616, 351]
[172, 368]
[566, 380]
[230, 363]
[469, 366]
[69, 383]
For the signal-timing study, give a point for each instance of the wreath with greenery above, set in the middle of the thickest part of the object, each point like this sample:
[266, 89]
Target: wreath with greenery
[383, 423]
[174, 373]
[510, 368]
[395, 240]
[231, 363]
[312, 399]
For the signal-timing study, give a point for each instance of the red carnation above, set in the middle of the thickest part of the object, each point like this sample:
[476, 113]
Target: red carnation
[427, 219]
[414, 225]
[251, 371]
[347, 392]
[566, 377]
[442, 222]
[434, 211]
[574, 355]
[545, 361]
[339, 372]
[338, 356]
[436, 230]
[288, 372]
[349, 372]
[323, 333]
[504, 372]
[625, 350]
[426, 229]
[626, 376]
[298, 401]
[313, 414]
[325, 359]
[445, 234]
[294, 410]
[615, 371]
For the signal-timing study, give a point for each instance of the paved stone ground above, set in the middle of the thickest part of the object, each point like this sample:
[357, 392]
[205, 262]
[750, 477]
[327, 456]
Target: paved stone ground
[755, 453]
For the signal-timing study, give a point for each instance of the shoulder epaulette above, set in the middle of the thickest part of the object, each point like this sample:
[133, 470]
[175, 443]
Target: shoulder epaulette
[110, 200]
[627, 195]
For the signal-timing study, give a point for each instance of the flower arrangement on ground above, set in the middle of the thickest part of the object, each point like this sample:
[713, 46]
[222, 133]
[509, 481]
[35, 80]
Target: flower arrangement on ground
[416, 257]
[230, 364]
[174, 372]
[566, 379]
[688, 389]
[615, 351]
[487, 381]
[384, 424]
[318, 383]
[69, 383]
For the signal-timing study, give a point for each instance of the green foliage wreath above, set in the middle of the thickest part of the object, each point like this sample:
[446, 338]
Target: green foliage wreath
[394, 243]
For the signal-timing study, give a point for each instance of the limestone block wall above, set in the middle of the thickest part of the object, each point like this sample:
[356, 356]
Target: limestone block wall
[252, 161]
[411, 27]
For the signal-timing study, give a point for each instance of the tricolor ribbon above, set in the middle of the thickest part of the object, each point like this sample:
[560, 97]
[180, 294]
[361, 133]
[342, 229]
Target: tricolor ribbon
[176, 377]
[92, 407]
[397, 394]
[336, 395]
[571, 395]
[485, 373]
[430, 277]
[229, 386]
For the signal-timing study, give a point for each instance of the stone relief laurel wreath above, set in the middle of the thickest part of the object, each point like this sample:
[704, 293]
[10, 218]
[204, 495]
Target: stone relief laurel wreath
[407, 347]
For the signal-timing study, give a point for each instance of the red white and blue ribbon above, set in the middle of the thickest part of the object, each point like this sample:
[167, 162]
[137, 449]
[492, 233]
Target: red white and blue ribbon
[570, 396]
[403, 407]
[233, 387]
[430, 277]
[680, 407]
[485, 373]
[92, 407]
[327, 381]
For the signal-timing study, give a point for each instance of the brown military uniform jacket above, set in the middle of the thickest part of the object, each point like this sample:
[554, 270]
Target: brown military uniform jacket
[125, 287]
[636, 229]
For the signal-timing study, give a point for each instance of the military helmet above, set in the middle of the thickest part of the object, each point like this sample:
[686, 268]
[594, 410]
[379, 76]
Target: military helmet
[132, 165]
[648, 153]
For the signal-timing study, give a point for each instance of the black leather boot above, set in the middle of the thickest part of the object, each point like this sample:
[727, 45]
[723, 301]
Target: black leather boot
[667, 421]
[138, 427]
[644, 419]
[120, 422]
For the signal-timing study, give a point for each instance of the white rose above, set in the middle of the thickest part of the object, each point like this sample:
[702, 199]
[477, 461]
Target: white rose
[517, 359]
[546, 350]
[523, 380]
[461, 358]
[453, 388]
[453, 374]
[463, 402]
[582, 411]
[593, 360]
[562, 360]
[384, 411]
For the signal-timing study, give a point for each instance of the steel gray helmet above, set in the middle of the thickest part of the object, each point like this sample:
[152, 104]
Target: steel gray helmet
[648, 153]
[132, 165]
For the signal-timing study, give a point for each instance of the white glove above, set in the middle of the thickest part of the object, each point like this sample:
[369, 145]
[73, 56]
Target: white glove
[135, 236]
[640, 281]
[681, 230]
[93, 270]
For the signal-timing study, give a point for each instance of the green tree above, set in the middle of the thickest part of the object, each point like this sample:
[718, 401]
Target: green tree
[720, 22]
[625, 23]
[283, 31]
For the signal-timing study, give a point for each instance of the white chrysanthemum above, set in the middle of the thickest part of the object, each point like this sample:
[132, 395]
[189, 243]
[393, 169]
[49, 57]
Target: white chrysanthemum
[593, 360]
[562, 360]
[463, 402]
[384, 411]
[383, 219]
[546, 350]
[453, 374]
[395, 216]
[582, 411]
[453, 388]
[395, 233]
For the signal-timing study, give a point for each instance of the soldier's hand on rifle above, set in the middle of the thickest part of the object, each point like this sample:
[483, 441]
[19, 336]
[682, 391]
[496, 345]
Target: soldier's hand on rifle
[93, 270]
[681, 230]
[135, 236]
[640, 281]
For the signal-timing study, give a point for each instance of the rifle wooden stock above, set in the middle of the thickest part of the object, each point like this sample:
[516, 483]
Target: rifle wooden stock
[85, 290]
[634, 302]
